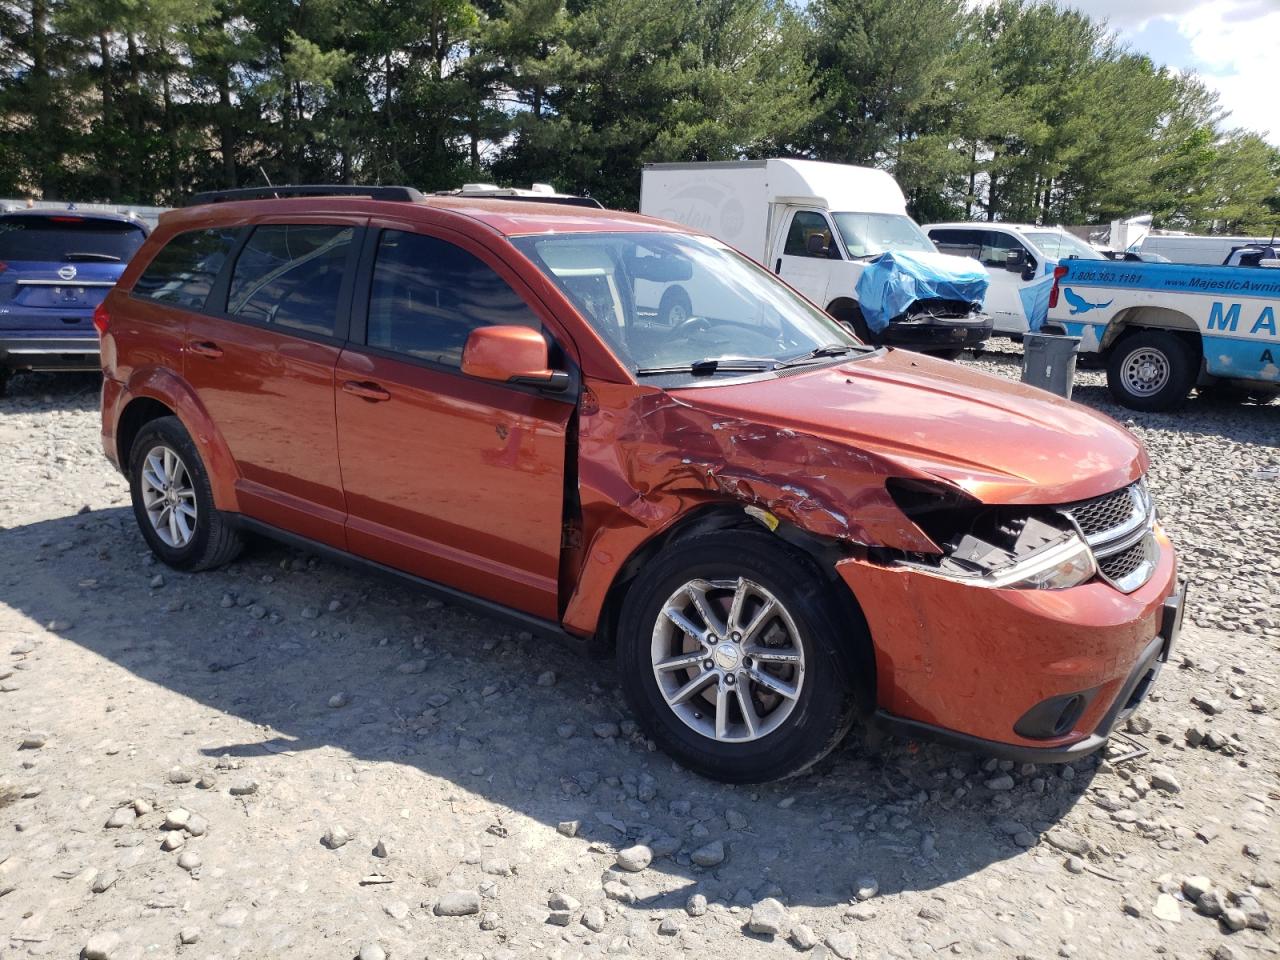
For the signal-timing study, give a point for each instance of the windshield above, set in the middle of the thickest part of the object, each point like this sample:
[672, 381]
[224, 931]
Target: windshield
[670, 303]
[68, 238]
[871, 234]
[1063, 246]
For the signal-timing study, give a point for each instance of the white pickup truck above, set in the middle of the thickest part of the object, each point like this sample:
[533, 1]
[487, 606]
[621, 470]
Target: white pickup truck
[1165, 328]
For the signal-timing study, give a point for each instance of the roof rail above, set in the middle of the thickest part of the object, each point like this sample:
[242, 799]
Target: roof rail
[307, 190]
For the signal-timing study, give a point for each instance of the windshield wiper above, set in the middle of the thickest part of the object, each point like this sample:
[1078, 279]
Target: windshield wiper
[93, 257]
[826, 350]
[709, 365]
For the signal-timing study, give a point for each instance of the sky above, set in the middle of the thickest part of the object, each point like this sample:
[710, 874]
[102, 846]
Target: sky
[1232, 44]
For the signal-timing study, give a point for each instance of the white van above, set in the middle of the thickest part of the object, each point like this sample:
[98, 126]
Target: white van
[816, 225]
[1019, 259]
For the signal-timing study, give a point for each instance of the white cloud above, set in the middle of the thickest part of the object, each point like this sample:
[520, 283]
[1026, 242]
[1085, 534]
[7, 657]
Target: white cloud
[1234, 42]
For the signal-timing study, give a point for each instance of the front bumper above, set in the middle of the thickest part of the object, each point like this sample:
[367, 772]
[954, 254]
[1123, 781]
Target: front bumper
[937, 333]
[967, 665]
[39, 351]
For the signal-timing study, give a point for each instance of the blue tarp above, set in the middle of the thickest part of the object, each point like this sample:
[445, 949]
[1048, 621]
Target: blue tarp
[893, 281]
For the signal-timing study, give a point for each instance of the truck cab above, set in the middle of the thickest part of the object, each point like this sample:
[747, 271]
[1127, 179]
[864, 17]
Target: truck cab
[818, 226]
[1019, 259]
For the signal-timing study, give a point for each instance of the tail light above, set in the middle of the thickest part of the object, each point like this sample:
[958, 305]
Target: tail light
[3, 266]
[1058, 273]
[101, 319]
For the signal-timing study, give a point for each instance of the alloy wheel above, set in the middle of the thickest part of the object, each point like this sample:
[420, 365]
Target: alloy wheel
[169, 496]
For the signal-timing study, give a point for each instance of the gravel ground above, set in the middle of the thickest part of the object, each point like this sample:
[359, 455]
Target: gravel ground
[286, 758]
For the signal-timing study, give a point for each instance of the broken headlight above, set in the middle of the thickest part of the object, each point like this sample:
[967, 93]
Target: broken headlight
[993, 546]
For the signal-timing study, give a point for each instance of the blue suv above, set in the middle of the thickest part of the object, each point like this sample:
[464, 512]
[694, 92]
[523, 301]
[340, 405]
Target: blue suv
[55, 268]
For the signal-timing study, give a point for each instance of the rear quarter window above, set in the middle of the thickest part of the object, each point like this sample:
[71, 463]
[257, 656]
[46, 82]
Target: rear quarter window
[184, 270]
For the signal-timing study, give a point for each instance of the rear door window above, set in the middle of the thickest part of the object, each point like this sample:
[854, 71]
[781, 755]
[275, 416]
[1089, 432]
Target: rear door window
[428, 295]
[67, 238]
[184, 270]
[290, 275]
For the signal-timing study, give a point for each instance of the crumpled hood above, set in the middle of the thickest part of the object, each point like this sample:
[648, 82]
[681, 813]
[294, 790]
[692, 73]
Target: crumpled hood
[1001, 442]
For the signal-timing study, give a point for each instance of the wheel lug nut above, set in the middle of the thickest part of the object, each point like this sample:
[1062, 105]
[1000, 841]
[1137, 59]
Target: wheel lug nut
[707, 664]
[729, 679]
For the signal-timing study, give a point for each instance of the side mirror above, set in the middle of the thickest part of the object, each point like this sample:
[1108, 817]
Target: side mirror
[1015, 261]
[511, 354]
[815, 245]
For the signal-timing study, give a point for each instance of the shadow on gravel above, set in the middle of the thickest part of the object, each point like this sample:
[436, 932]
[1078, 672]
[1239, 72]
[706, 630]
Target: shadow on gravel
[475, 715]
[64, 391]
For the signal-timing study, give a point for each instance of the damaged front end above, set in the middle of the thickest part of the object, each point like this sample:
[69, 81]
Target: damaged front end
[993, 546]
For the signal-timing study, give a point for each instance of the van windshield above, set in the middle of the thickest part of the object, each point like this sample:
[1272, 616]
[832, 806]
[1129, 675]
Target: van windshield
[871, 234]
[674, 304]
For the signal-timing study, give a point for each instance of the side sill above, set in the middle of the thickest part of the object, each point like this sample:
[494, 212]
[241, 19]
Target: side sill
[547, 629]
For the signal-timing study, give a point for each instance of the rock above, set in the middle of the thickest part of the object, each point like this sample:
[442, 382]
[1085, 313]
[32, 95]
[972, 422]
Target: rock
[568, 828]
[245, 788]
[803, 938]
[380, 850]
[696, 905]
[458, 903]
[562, 901]
[338, 700]
[605, 731]
[1074, 865]
[1207, 705]
[669, 927]
[593, 919]
[1138, 724]
[396, 910]
[335, 837]
[1167, 909]
[189, 860]
[412, 667]
[104, 881]
[157, 581]
[176, 819]
[1233, 918]
[620, 892]
[121, 817]
[769, 918]
[496, 867]
[635, 859]
[179, 775]
[33, 741]
[547, 678]
[1000, 784]
[197, 826]
[843, 945]
[866, 888]
[189, 935]
[372, 951]
[173, 839]
[711, 855]
[1194, 887]
[1131, 907]
[102, 946]
[1162, 778]
[489, 920]
[1068, 842]
[1210, 903]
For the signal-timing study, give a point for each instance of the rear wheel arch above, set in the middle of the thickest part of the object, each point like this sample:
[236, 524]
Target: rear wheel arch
[137, 414]
[1132, 319]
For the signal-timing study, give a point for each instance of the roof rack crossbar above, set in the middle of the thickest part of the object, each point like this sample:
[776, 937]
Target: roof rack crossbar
[307, 190]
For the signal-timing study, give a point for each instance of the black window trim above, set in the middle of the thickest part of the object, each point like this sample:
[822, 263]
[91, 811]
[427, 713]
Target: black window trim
[363, 290]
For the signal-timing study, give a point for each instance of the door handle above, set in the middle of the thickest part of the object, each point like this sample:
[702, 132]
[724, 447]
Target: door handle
[777, 267]
[365, 391]
[206, 349]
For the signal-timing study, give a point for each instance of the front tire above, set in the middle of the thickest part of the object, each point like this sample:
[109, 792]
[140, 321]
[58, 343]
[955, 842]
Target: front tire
[1151, 370]
[727, 655]
[173, 502]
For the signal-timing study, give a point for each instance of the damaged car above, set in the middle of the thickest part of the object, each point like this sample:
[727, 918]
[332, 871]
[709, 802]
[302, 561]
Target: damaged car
[777, 530]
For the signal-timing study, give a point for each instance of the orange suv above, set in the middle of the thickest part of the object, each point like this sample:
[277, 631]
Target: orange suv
[777, 529]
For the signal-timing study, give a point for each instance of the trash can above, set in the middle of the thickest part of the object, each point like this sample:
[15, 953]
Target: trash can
[1049, 362]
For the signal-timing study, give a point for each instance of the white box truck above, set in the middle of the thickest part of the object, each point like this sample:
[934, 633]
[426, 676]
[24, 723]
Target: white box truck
[818, 225]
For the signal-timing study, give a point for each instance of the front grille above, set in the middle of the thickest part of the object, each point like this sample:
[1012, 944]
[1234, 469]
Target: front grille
[1117, 526]
[1132, 566]
[1112, 515]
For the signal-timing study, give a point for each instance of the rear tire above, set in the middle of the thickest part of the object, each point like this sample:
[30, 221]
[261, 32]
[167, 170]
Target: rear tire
[675, 308]
[173, 501]
[1151, 370]
[801, 707]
